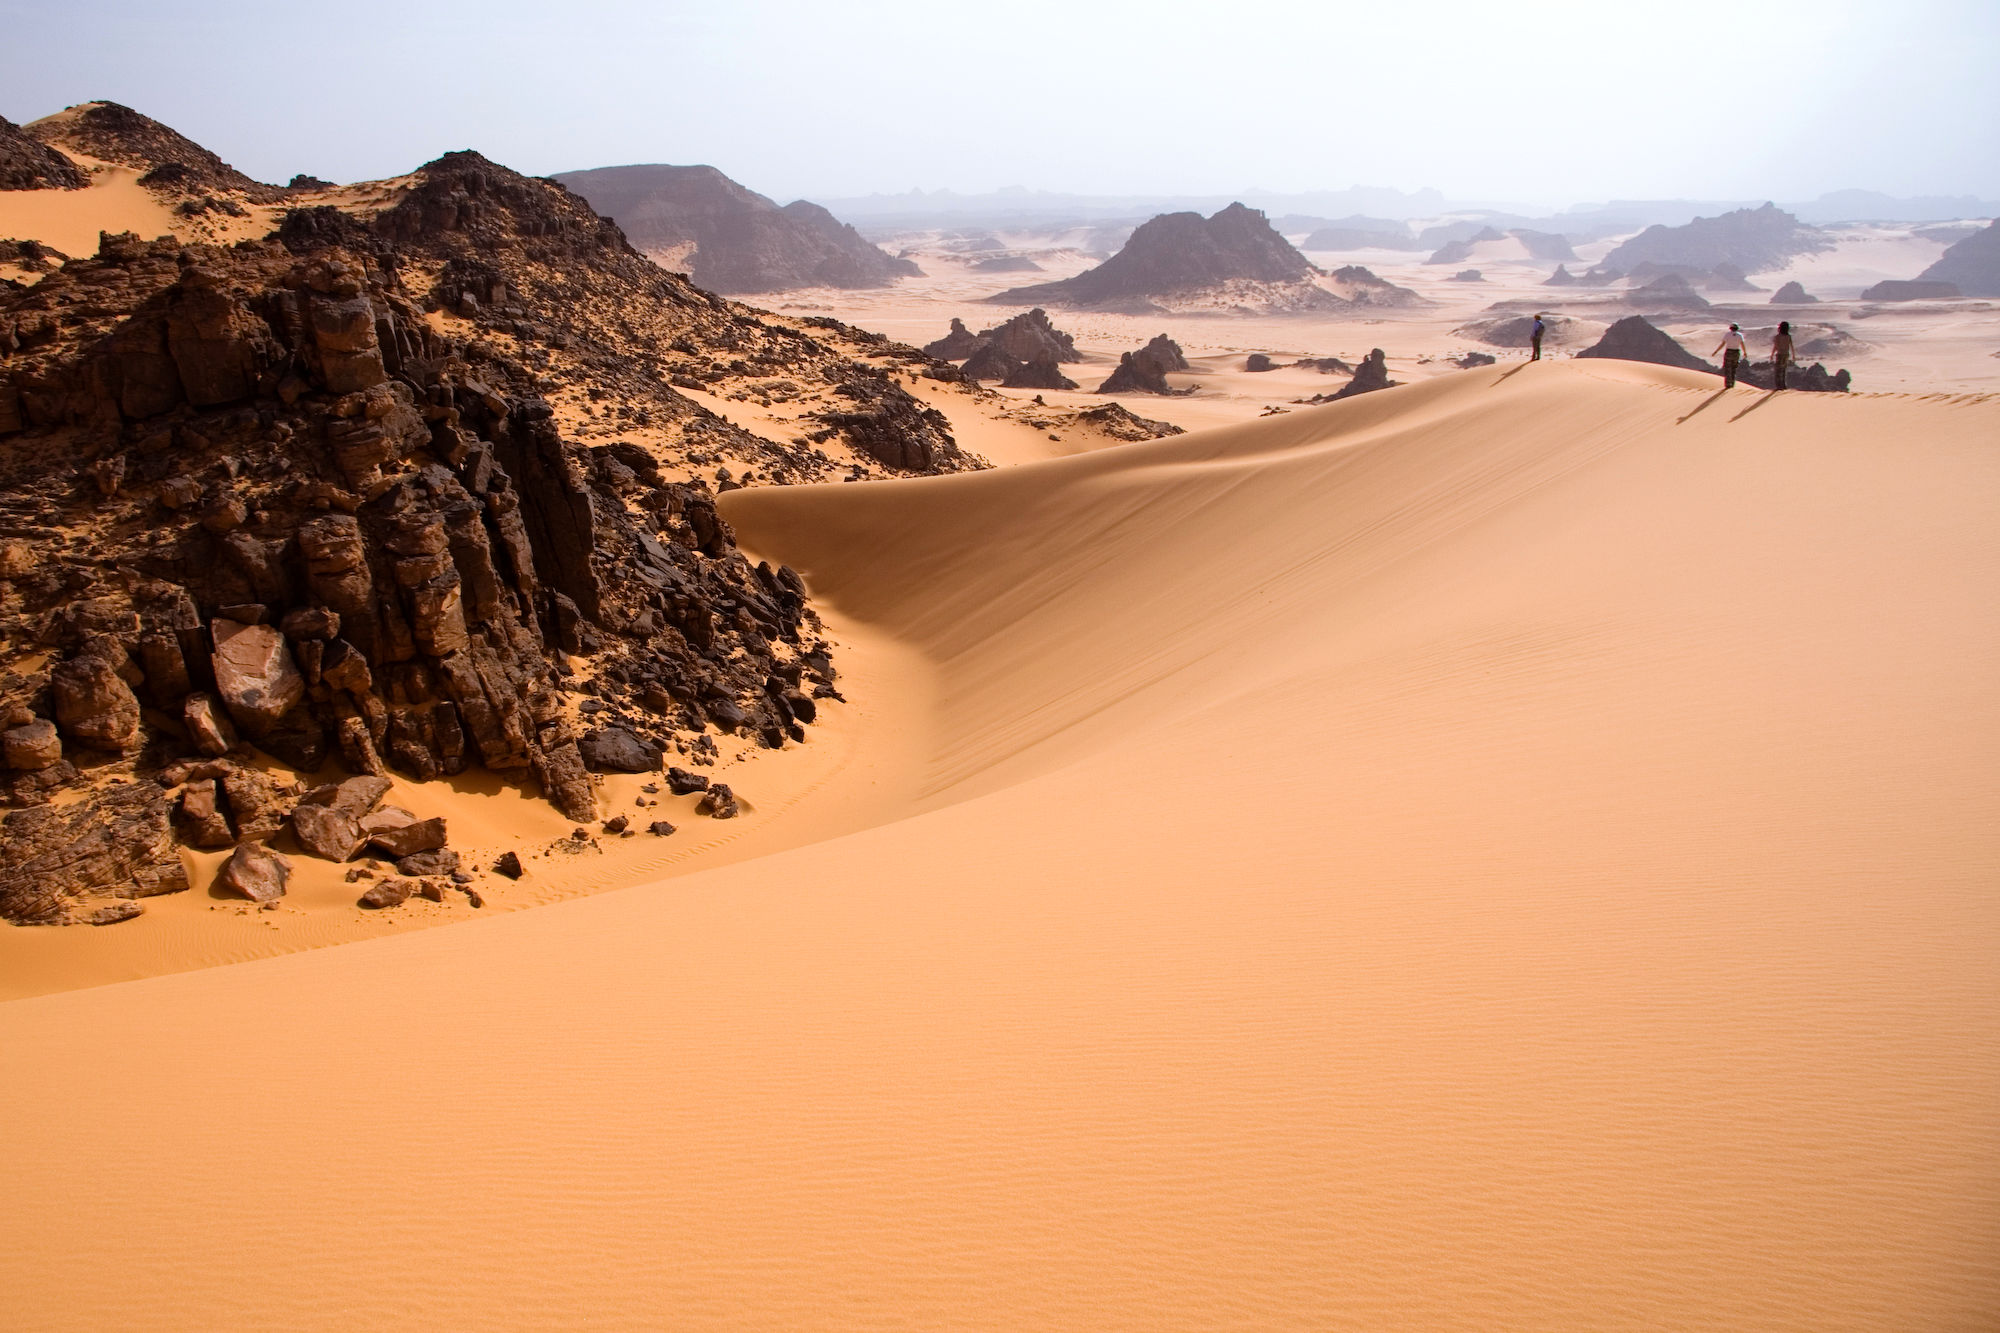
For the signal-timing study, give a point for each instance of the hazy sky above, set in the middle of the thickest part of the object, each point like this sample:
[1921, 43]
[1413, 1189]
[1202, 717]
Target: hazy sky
[1537, 101]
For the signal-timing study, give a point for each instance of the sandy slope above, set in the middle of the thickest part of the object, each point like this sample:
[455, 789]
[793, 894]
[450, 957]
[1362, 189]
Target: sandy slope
[1512, 852]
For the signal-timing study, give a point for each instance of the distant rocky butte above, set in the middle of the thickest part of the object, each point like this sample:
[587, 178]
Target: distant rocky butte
[26, 163]
[1234, 259]
[1971, 265]
[741, 241]
[1146, 370]
[1358, 286]
[312, 493]
[1005, 350]
[1793, 293]
[1912, 289]
[1755, 240]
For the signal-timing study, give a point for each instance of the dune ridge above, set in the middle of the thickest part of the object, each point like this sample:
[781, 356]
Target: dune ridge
[1512, 851]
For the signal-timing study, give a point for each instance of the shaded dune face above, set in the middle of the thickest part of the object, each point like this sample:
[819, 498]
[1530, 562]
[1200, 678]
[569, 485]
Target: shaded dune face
[1513, 851]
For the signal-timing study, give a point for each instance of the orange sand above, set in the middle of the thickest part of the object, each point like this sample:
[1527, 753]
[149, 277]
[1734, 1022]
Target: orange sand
[1512, 852]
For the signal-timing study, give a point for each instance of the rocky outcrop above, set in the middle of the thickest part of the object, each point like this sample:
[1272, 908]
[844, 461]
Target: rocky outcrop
[1146, 370]
[1912, 289]
[1519, 330]
[1793, 293]
[1562, 277]
[1755, 240]
[956, 345]
[734, 240]
[1467, 275]
[1971, 265]
[1358, 286]
[113, 133]
[1006, 264]
[1040, 373]
[1030, 335]
[988, 362]
[1670, 292]
[888, 425]
[26, 163]
[63, 863]
[1178, 255]
[1372, 374]
[1635, 339]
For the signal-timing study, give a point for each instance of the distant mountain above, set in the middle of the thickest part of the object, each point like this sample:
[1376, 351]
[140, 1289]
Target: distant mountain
[1015, 206]
[1873, 206]
[1187, 257]
[732, 239]
[1972, 265]
[1753, 239]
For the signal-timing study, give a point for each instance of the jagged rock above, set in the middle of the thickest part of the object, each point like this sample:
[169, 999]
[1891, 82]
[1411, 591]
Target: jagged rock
[255, 872]
[718, 802]
[1113, 420]
[28, 164]
[208, 730]
[1562, 277]
[1971, 265]
[989, 363]
[1029, 336]
[1729, 278]
[94, 706]
[201, 819]
[385, 820]
[257, 807]
[1146, 370]
[54, 860]
[683, 783]
[616, 750]
[220, 349]
[956, 345]
[1896, 289]
[1793, 293]
[891, 427]
[1370, 375]
[437, 861]
[1755, 240]
[389, 893]
[1470, 360]
[1041, 373]
[1635, 339]
[407, 840]
[32, 746]
[255, 675]
[327, 833]
[660, 828]
[509, 864]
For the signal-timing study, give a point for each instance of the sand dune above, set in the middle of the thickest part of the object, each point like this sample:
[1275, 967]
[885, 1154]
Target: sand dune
[1515, 851]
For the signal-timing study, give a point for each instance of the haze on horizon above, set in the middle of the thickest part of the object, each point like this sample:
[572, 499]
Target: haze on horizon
[1548, 105]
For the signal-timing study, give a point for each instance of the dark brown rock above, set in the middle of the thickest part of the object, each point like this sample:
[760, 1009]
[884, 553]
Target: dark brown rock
[55, 861]
[327, 833]
[719, 802]
[208, 728]
[94, 706]
[616, 750]
[255, 872]
[660, 828]
[32, 747]
[422, 836]
[437, 861]
[683, 783]
[202, 823]
[509, 864]
[389, 893]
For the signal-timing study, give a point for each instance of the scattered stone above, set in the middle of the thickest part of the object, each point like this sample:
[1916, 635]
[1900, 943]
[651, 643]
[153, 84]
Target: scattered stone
[432, 890]
[683, 783]
[718, 802]
[660, 828]
[421, 836]
[389, 893]
[617, 825]
[437, 861]
[509, 864]
[616, 750]
[255, 872]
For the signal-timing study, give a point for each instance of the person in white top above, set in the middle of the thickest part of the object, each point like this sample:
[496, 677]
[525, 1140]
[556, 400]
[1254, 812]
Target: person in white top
[1731, 348]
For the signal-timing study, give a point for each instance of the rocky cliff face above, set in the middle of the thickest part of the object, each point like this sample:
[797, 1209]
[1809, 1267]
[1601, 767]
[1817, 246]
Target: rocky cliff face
[26, 163]
[1181, 256]
[740, 241]
[310, 494]
[1972, 265]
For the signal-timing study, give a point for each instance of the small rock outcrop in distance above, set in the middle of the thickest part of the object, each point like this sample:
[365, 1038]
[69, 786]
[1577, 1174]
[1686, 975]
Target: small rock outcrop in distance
[1029, 335]
[1912, 289]
[114, 133]
[1361, 233]
[1357, 285]
[1635, 339]
[1562, 277]
[1459, 250]
[305, 182]
[1006, 264]
[1370, 375]
[956, 345]
[1146, 370]
[1755, 240]
[1971, 265]
[1040, 373]
[741, 241]
[1115, 421]
[1793, 293]
[1519, 330]
[1325, 365]
[1175, 255]
[1670, 292]
[1467, 275]
[1257, 362]
[988, 362]
[26, 163]
[1729, 278]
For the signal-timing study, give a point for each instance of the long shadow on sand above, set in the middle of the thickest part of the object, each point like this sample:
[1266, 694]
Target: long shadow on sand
[1706, 403]
[1502, 379]
[1763, 399]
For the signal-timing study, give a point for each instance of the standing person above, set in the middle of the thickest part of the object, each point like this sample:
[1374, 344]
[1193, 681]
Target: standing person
[1731, 348]
[1781, 353]
[1536, 355]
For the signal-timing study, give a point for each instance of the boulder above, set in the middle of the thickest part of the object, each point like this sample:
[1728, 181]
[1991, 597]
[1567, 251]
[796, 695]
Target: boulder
[1146, 370]
[32, 746]
[509, 864]
[353, 798]
[389, 893]
[718, 802]
[208, 727]
[660, 828]
[94, 706]
[255, 675]
[1257, 363]
[436, 861]
[255, 872]
[202, 823]
[616, 750]
[989, 363]
[422, 836]
[327, 833]
[683, 783]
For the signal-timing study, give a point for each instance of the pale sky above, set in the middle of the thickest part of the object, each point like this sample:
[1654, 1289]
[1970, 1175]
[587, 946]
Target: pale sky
[1539, 101]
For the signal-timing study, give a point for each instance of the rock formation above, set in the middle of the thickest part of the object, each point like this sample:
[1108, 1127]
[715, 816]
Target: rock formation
[1912, 289]
[1146, 370]
[312, 492]
[1358, 286]
[113, 133]
[26, 163]
[1755, 240]
[1006, 264]
[1793, 293]
[1186, 258]
[1467, 275]
[1257, 362]
[1029, 335]
[1729, 278]
[1562, 277]
[1519, 330]
[956, 345]
[740, 241]
[1671, 292]
[1971, 265]
[1634, 339]
[988, 362]
[1040, 373]
[1370, 375]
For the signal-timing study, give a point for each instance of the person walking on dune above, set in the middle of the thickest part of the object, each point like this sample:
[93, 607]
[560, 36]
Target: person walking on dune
[1535, 336]
[1731, 348]
[1781, 353]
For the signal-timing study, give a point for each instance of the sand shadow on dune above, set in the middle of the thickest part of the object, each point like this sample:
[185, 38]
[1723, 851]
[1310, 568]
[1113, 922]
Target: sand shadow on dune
[1761, 400]
[1502, 379]
[1706, 403]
